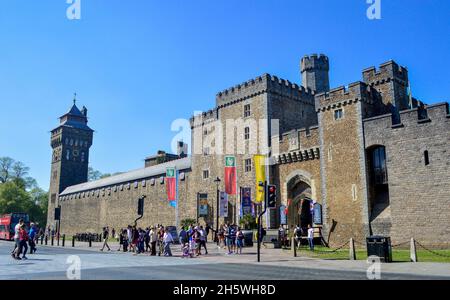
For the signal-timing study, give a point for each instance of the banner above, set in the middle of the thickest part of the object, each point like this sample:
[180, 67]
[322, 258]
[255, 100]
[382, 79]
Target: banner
[223, 205]
[230, 175]
[260, 174]
[202, 205]
[246, 201]
[171, 186]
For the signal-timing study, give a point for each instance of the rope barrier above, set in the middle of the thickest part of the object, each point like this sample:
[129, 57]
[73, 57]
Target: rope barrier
[400, 244]
[330, 251]
[432, 251]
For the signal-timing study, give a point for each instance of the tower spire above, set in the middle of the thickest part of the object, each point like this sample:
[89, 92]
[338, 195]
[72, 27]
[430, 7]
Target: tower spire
[74, 98]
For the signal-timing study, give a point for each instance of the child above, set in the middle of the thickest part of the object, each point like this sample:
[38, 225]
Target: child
[186, 251]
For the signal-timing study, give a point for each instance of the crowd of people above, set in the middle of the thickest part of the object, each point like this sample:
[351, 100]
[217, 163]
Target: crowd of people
[157, 240]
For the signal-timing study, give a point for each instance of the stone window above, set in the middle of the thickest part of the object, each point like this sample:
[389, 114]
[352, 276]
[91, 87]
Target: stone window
[205, 174]
[128, 186]
[82, 157]
[67, 141]
[67, 154]
[143, 183]
[378, 165]
[71, 142]
[247, 133]
[247, 110]
[76, 143]
[206, 151]
[248, 165]
[338, 114]
[135, 184]
[426, 157]
[121, 187]
[205, 131]
[53, 198]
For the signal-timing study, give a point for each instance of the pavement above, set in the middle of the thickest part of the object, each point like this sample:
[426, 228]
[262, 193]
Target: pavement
[53, 262]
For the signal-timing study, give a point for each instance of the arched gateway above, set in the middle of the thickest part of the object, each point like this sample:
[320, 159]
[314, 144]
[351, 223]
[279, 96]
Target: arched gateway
[299, 195]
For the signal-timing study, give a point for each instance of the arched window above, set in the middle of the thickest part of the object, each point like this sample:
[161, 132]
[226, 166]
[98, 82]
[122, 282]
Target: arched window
[82, 156]
[67, 154]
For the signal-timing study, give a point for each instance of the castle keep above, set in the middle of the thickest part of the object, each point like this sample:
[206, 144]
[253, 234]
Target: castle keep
[375, 158]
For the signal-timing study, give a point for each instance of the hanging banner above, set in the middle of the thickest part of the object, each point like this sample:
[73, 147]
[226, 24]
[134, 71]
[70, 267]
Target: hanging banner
[230, 175]
[171, 186]
[260, 174]
[283, 216]
[223, 205]
[246, 201]
[317, 216]
[202, 205]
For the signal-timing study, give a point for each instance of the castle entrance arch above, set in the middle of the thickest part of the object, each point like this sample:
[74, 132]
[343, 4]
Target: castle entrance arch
[299, 201]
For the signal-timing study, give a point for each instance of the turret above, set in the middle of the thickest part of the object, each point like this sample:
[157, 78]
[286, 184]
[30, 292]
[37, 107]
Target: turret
[314, 69]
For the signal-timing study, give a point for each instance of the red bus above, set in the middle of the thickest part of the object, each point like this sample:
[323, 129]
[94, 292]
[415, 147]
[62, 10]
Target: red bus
[8, 222]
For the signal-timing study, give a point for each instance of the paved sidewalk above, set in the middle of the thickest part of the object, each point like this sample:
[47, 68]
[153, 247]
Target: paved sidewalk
[279, 257]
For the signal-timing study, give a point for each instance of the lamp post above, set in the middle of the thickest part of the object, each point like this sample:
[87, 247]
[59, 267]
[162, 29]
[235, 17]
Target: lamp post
[217, 181]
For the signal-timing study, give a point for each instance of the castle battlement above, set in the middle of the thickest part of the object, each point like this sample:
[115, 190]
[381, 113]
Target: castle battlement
[202, 118]
[265, 83]
[428, 114]
[387, 71]
[357, 91]
[315, 62]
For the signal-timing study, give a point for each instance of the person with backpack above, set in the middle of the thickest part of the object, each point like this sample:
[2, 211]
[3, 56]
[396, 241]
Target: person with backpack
[32, 238]
[298, 235]
[202, 239]
[23, 237]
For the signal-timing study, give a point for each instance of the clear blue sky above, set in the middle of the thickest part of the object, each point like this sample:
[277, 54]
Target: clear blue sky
[138, 65]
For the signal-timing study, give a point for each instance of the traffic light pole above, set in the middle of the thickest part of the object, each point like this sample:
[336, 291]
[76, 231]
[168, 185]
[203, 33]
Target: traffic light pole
[258, 235]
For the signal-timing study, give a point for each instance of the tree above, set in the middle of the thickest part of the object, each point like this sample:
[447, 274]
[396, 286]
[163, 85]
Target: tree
[187, 222]
[93, 174]
[6, 165]
[248, 222]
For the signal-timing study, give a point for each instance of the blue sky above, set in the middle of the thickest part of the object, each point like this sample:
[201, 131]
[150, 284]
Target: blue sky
[140, 64]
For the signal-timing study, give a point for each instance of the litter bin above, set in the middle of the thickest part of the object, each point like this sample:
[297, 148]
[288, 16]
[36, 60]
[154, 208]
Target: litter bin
[379, 246]
[248, 238]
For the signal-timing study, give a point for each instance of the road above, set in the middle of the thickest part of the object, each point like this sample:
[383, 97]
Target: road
[51, 263]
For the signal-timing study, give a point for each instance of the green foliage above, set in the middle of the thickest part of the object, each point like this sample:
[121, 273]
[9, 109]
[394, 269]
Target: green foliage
[248, 222]
[186, 222]
[20, 193]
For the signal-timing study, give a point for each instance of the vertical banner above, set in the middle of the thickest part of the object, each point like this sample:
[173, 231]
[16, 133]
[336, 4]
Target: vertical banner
[260, 174]
[223, 205]
[246, 201]
[203, 205]
[171, 186]
[230, 175]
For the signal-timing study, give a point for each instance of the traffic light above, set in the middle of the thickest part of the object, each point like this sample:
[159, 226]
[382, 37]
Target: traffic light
[272, 196]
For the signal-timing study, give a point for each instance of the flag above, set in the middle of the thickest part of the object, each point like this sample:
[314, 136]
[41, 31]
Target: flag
[171, 185]
[230, 175]
[260, 174]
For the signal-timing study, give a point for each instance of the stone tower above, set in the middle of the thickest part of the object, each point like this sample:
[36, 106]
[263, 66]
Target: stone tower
[314, 69]
[70, 142]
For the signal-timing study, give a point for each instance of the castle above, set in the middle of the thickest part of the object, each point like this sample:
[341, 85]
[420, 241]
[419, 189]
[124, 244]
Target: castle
[374, 158]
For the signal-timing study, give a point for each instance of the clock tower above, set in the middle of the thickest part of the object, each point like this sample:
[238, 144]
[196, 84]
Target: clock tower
[70, 143]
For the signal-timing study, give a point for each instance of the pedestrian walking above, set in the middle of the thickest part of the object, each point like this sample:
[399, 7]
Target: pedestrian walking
[23, 237]
[298, 236]
[168, 239]
[16, 251]
[183, 236]
[32, 238]
[311, 237]
[239, 240]
[105, 238]
[153, 240]
[202, 233]
[147, 239]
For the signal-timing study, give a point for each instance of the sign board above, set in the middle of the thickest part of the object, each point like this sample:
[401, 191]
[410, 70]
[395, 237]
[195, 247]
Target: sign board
[202, 205]
[317, 214]
[223, 205]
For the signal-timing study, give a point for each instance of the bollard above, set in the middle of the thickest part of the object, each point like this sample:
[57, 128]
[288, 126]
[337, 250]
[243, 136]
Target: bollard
[413, 252]
[352, 252]
[42, 239]
[294, 247]
[57, 239]
[73, 241]
[63, 239]
[52, 239]
[90, 241]
[46, 238]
